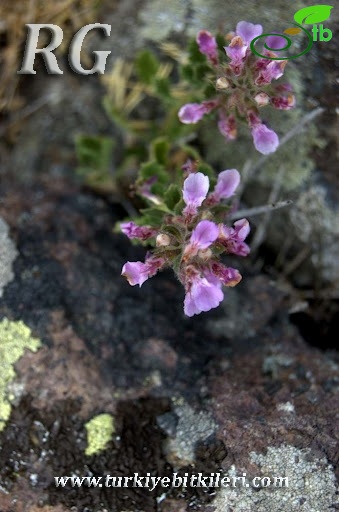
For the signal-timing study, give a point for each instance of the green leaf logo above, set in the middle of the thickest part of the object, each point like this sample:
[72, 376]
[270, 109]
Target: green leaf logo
[313, 14]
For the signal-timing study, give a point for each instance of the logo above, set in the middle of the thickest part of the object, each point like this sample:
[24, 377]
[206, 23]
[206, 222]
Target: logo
[313, 15]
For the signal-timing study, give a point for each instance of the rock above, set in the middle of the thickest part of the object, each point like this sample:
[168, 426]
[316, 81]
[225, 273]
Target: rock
[8, 253]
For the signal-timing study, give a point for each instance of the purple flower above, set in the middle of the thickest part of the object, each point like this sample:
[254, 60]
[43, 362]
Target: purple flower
[228, 276]
[227, 126]
[208, 46]
[270, 70]
[191, 113]
[236, 51]
[195, 190]
[241, 84]
[275, 42]
[265, 140]
[283, 102]
[203, 235]
[233, 238]
[137, 272]
[202, 295]
[242, 229]
[132, 230]
[248, 31]
[228, 182]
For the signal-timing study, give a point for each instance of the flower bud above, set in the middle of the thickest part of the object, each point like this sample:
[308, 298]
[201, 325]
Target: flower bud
[162, 240]
[205, 254]
[222, 83]
[262, 99]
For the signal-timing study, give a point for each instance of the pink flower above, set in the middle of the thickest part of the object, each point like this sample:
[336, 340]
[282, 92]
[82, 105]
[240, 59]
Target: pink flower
[132, 230]
[236, 51]
[276, 42]
[265, 140]
[137, 272]
[241, 85]
[233, 238]
[228, 276]
[202, 295]
[208, 46]
[228, 182]
[283, 102]
[191, 113]
[248, 31]
[195, 190]
[270, 70]
[227, 126]
[203, 235]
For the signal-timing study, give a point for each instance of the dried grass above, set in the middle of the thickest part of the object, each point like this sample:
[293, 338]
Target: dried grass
[70, 15]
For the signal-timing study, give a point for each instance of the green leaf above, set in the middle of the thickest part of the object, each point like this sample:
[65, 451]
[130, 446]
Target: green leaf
[221, 42]
[162, 87]
[187, 72]
[201, 71]
[313, 14]
[152, 217]
[146, 66]
[179, 207]
[194, 54]
[94, 153]
[172, 196]
[159, 150]
[150, 169]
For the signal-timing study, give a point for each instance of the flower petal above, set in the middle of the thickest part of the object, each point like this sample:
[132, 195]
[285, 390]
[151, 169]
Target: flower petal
[276, 42]
[265, 140]
[227, 126]
[191, 113]
[208, 45]
[195, 189]
[135, 272]
[242, 229]
[227, 183]
[203, 295]
[132, 230]
[204, 234]
[248, 31]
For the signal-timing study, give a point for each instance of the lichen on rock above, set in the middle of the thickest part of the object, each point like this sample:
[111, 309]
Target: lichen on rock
[311, 484]
[191, 428]
[8, 253]
[15, 337]
[99, 433]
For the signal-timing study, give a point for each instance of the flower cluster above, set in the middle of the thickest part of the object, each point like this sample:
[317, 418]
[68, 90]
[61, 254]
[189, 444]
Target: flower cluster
[243, 86]
[192, 241]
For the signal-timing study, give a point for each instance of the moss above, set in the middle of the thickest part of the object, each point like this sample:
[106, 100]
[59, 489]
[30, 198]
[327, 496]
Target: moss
[99, 432]
[15, 337]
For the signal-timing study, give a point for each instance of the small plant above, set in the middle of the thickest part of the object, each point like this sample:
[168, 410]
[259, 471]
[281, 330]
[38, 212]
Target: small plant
[189, 236]
[186, 220]
[243, 86]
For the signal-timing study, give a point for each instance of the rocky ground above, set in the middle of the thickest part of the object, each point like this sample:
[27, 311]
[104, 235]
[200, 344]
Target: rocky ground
[251, 387]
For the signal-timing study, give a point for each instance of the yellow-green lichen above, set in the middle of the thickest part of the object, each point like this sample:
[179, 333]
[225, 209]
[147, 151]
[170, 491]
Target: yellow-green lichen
[99, 433]
[15, 337]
